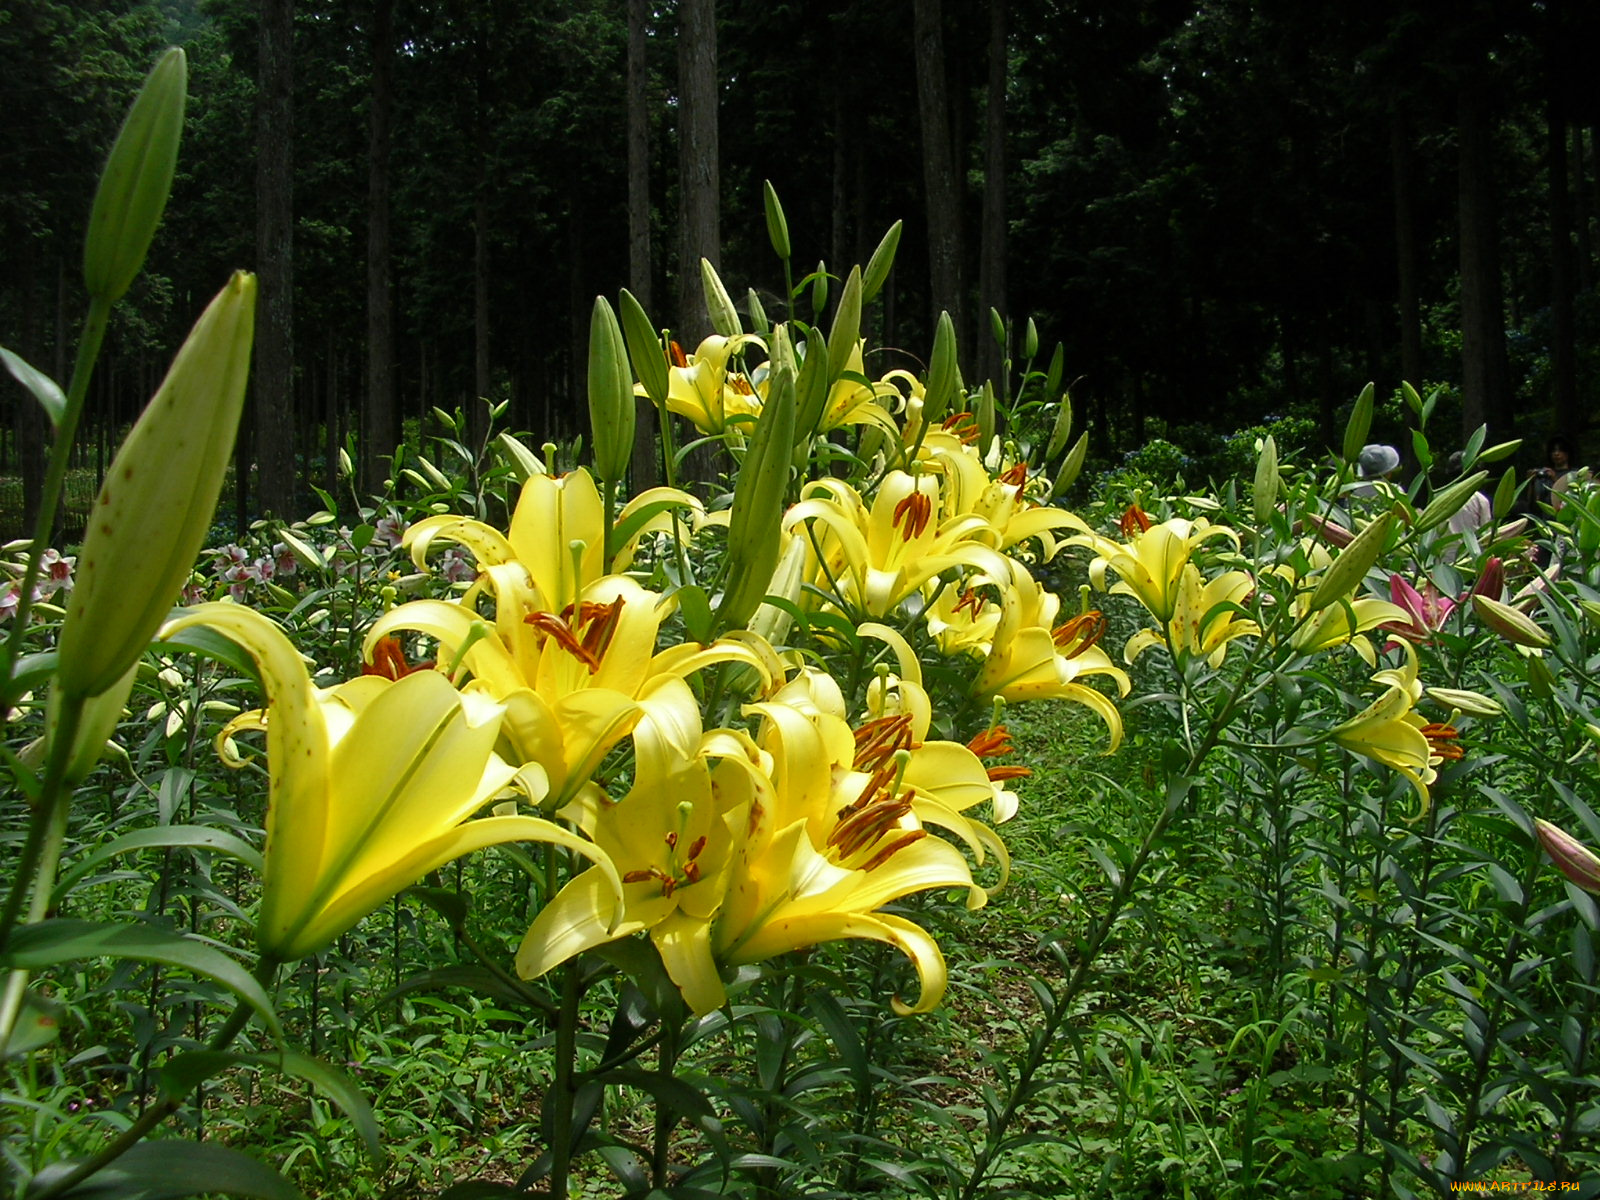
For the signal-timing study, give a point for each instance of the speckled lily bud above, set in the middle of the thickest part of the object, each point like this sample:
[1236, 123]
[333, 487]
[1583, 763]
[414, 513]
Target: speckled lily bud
[155, 507]
[136, 180]
[1516, 627]
[1572, 858]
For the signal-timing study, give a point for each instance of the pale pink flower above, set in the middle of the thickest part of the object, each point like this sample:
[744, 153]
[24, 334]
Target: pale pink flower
[1427, 610]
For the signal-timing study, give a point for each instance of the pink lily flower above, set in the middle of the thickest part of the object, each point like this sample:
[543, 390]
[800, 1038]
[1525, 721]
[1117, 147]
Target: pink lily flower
[1427, 610]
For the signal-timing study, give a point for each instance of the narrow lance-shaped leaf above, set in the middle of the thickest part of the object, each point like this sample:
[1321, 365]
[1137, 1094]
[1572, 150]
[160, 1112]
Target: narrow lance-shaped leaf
[43, 389]
[1072, 467]
[1063, 427]
[644, 348]
[1505, 494]
[754, 525]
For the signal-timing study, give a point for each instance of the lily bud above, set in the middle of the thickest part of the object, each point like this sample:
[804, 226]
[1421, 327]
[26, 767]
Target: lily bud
[1355, 430]
[154, 509]
[611, 408]
[1516, 627]
[777, 224]
[845, 336]
[1264, 494]
[942, 371]
[1474, 704]
[1492, 580]
[136, 180]
[1351, 567]
[755, 524]
[1332, 532]
[1571, 857]
[878, 266]
[719, 305]
[96, 724]
[644, 348]
[1449, 502]
[1072, 467]
[1062, 429]
[1030, 340]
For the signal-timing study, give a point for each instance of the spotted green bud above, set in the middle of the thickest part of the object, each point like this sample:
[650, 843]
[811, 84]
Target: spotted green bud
[154, 509]
[1512, 624]
[1352, 565]
[719, 305]
[1474, 704]
[1571, 857]
[942, 373]
[1063, 427]
[611, 407]
[136, 180]
[755, 531]
[1446, 503]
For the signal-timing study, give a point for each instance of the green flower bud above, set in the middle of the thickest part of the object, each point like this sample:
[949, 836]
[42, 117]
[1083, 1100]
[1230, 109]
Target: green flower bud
[1071, 468]
[997, 328]
[877, 273]
[755, 531]
[1355, 431]
[1447, 503]
[1030, 340]
[846, 331]
[611, 408]
[644, 348]
[1063, 427]
[1515, 626]
[154, 509]
[777, 225]
[941, 386]
[719, 305]
[1264, 494]
[1571, 857]
[1351, 567]
[136, 180]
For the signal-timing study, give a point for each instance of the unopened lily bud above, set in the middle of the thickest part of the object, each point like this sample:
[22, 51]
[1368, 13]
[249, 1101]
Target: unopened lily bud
[1062, 429]
[136, 180]
[96, 724]
[1332, 532]
[882, 260]
[154, 509]
[1264, 494]
[1351, 567]
[1450, 501]
[1030, 340]
[942, 372]
[347, 469]
[611, 409]
[997, 328]
[1516, 627]
[719, 305]
[777, 223]
[1571, 857]
[644, 348]
[1492, 580]
[1474, 704]
[1072, 467]
[1355, 430]
[755, 523]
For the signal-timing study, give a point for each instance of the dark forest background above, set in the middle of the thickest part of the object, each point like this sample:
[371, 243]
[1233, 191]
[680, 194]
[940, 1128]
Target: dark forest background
[1226, 211]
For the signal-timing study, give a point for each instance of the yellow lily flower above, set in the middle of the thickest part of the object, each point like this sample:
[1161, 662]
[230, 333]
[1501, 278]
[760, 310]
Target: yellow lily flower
[574, 682]
[1001, 500]
[1390, 732]
[672, 835]
[1197, 596]
[1149, 566]
[703, 390]
[1033, 659]
[880, 555]
[557, 533]
[852, 402]
[373, 785]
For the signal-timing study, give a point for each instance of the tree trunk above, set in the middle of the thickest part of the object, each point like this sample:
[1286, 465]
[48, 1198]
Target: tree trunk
[482, 380]
[646, 467]
[1564, 419]
[992, 264]
[1402, 164]
[938, 165]
[273, 398]
[379, 438]
[699, 175]
[1484, 374]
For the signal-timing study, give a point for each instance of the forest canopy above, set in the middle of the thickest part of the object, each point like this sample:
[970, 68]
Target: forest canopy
[1226, 212]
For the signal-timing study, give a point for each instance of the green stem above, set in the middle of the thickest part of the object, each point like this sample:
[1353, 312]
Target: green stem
[561, 1088]
[94, 331]
[266, 968]
[666, 1119]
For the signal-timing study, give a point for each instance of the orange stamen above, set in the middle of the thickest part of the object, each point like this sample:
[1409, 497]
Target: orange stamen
[1001, 774]
[1016, 476]
[1080, 633]
[965, 426]
[1442, 741]
[389, 660]
[878, 739]
[916, 510]
[1135, 520]
[991, 742]
[676, 356]
[970, 599]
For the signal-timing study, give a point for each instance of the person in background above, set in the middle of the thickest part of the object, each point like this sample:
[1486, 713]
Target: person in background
[1376, 461]
[1475, 513]
[1546, 481]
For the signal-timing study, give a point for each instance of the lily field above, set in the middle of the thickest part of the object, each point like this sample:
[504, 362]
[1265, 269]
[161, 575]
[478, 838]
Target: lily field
[898, 809]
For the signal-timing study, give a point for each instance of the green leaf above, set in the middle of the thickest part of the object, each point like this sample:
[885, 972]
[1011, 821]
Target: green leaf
[846, 331]
[188, 836]
[47, 943]
[38, 1024]
[170, 1168]
[668, 1091]
[185, 1072]
[1355, 430]
[696, 611]
[207, 642]
[841, 1032]
[45, 390]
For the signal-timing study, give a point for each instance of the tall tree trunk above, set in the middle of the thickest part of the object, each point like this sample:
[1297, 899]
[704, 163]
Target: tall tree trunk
[273, 398]
[992, 264]
[646, 468]
[938, 164]
[1563, 351]
[379, 438]
[1402, 165]
[482, 381]
[699, 173]
[1581, 211]
[1484, 374]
